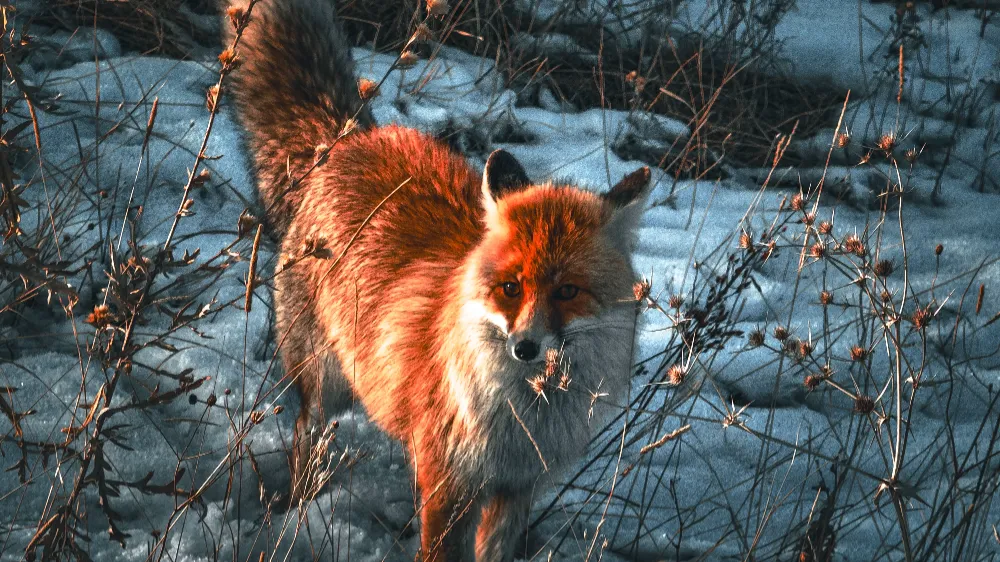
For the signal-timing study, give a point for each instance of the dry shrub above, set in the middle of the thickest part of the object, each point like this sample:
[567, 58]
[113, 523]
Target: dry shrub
[175, 28]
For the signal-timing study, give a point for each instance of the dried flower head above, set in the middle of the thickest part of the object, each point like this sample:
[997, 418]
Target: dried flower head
[407, 59]
[853, 245]
[864, 404]
[808, 219]
[564, 381]
[885, 295]
[256, 417]
[825, 298]
[321, 153]
[211, 400]
[675, 375]
[551, 362]
[817, 250]
[212, 97]
[235, 15]
[423, 34]
[101, 316]
[858, 353]
[641, 290]
[887, 142]
[755, 338]
[812, 382]
[350, 125]
[278, 409]
[825, 228]
[437, 7]
[675, 301]
[790, 346]
[939, 249]
[537, 384]
[805, 348]
[911, 155]
[367, 89]
[798, 202]
[922, 317]
[746, 241]
[229, 59]
[883, 268]
[781, 333]
[842, 140]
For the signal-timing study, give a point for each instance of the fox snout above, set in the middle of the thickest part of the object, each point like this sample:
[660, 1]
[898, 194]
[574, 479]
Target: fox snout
[529, 343]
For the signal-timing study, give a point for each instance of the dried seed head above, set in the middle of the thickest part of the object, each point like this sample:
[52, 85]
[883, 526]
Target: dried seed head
[865, 158]
[423, 34]
[641, 289]
[564, 381]
[101, 316]
[818, 250]
[211, 400]
[812, 382]
[805, 348]
[858, 353]
[228, 59]
[883, 268]
[770, 248]
[676, 374]
[321, 153]
[922, 317]
[755, 338]
[256, 417]
[537, 384]
[235, 15]
[843, 139]
[675, 302]
[825, 227]
[278, 409]
[826, 298]
[808, 219]
[313, 244]
[349, 127]
[781, 333]
[367, 89]
[886, 296]
[212, 97]
[938, 249]
[746, 241]
[437, 7]
[911, 155]
[551, 362]
[864, 404]
[887, 142]
[407, 59]
[798, 202]
[853, 245]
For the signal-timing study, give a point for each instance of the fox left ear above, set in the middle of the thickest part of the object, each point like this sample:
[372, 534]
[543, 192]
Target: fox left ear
[628, 201]
[503, 175]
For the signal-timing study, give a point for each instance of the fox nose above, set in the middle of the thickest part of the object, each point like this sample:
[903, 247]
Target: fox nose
[526, 350]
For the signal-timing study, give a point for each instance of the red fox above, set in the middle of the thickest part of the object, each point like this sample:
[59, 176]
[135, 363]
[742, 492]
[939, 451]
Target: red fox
[436, 295]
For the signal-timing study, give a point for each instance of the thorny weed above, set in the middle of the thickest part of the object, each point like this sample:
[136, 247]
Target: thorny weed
[869, 359]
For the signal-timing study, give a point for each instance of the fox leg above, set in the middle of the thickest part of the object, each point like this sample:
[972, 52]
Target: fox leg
[313, 367]
[504, 518]
[447, 517]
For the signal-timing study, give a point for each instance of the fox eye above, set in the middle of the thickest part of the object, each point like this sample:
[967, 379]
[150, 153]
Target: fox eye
[511, 289]
[566, 292]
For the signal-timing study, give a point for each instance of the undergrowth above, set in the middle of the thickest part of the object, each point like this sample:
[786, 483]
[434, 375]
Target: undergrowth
[895, 368]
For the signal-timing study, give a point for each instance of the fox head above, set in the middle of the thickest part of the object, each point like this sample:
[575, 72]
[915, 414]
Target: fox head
[555, 260]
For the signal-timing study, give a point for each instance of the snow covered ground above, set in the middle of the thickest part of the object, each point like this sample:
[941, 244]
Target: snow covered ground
[764, 461]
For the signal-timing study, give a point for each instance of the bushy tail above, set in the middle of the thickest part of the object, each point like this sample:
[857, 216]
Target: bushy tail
[294, 89]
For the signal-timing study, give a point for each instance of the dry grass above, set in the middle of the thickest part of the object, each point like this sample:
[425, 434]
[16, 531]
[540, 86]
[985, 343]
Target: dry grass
[865, 367]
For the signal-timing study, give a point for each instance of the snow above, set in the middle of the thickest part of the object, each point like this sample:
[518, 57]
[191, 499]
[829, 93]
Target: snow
[719, 484]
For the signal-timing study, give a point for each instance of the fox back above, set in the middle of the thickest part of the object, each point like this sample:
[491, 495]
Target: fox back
[484, 320]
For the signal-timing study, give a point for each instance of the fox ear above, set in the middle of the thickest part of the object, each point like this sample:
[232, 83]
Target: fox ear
[503, 174]
[628, 201]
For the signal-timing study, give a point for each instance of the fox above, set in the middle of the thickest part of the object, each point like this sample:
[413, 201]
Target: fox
[484, 320]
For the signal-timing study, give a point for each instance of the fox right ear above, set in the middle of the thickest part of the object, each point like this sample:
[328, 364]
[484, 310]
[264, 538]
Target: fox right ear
[503, 174]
